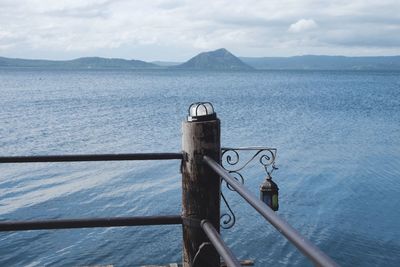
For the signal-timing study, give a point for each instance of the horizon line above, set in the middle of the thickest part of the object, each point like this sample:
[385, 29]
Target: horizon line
[174, 61]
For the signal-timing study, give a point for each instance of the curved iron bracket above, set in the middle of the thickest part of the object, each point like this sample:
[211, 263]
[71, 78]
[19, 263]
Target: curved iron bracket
[231, 162]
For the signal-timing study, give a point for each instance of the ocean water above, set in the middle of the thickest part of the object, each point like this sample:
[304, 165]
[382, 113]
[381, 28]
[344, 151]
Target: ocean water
[337, 135]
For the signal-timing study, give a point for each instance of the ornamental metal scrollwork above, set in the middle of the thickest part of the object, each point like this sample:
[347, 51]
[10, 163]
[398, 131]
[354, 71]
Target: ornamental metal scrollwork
[227, 220]
[231, 162]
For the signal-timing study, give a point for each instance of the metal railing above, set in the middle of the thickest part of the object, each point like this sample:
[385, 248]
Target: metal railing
[97, 157]
[90, 222]
[219, 244]
[305, 246]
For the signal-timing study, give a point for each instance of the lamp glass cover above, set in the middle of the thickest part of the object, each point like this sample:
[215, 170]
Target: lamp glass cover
[201, 109]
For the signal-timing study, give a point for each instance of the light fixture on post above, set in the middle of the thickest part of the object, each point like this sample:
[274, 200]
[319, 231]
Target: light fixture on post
[269, 193]
[201, 186]
[201, 111]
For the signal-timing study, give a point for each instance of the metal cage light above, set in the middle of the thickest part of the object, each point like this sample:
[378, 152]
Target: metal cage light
[201, 111]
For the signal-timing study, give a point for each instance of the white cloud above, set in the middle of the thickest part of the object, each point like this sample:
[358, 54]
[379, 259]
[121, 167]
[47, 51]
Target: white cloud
[177, 29]
[303, 25]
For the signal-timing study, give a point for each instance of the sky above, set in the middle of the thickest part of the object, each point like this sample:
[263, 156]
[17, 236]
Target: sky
[175, 30]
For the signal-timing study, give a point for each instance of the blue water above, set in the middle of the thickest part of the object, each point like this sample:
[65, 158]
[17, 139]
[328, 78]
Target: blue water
[338, 140]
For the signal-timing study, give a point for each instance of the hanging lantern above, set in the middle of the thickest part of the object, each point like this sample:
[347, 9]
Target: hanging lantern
[269, 193]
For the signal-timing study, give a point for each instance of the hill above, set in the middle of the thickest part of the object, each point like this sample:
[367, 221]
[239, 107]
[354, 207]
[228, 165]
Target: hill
[220, 59]
[166, 63]
[79, 63]
[312, 62]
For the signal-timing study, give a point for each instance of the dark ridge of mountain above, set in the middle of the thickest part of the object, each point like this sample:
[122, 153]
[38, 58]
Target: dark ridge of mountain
[79, 63]
[220, 59]
[166, 63]
[98, 62]
[315, 62]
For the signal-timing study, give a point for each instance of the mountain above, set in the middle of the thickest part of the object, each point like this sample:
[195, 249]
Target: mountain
[98, 62]
[166, 63]
[79, 63]
[313, 62]
[220, 59]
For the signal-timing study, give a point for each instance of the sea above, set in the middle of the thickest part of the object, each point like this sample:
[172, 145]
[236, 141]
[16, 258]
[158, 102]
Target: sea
[337, 135]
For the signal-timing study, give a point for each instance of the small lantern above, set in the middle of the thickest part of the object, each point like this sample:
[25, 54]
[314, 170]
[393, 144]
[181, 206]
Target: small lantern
[269, 193]
[201, 111]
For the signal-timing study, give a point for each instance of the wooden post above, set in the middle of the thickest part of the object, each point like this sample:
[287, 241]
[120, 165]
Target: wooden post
[200, 191]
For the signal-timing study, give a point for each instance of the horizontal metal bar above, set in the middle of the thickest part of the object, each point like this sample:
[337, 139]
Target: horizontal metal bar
[98, 157]
[89, 223]
[248, 148]
[304, 245]
[219, 244]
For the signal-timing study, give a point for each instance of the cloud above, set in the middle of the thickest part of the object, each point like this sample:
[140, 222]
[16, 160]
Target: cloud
[177, 29]
[303, 25]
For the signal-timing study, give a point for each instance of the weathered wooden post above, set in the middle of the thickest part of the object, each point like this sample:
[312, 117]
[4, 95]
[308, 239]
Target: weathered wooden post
[200, 185]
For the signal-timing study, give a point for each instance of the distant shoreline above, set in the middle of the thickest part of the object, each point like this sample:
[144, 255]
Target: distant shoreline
[220, 59]
[191, 70]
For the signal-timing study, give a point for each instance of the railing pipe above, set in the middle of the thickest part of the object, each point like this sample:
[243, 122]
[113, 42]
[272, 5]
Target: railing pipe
[305, 246]
[97, 157]
[89, 223]
[219, 244]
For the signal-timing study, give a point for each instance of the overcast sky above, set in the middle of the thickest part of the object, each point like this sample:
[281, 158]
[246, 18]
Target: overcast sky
[175, 30]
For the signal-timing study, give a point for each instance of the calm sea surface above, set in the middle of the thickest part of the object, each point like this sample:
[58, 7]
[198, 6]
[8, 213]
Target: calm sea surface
[338, 140]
